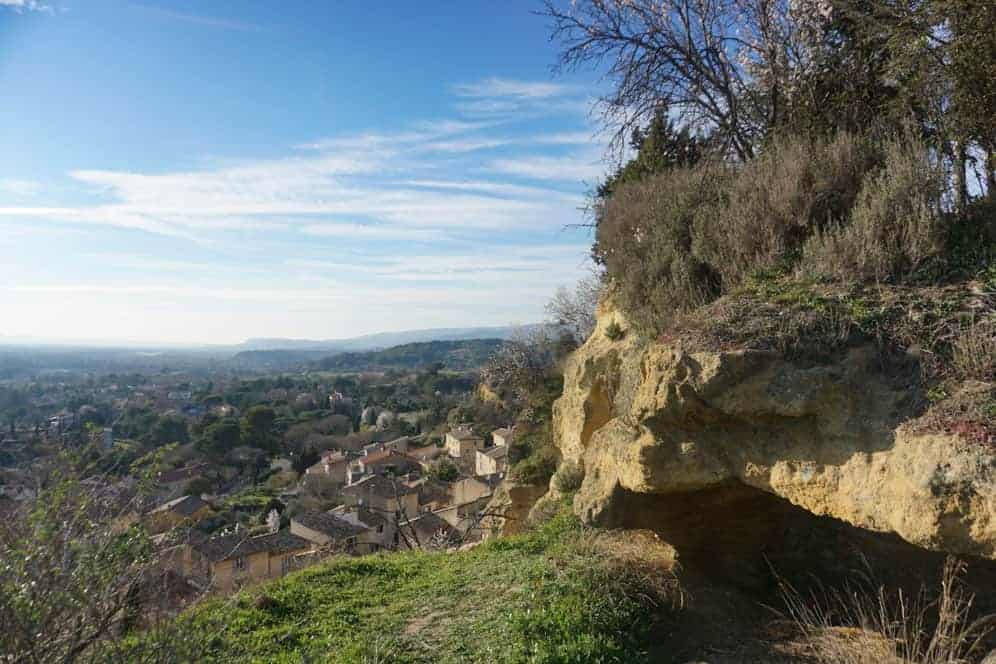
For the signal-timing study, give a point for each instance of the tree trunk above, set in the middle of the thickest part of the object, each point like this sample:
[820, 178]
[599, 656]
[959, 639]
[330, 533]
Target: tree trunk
[960, 180]
[991, 173]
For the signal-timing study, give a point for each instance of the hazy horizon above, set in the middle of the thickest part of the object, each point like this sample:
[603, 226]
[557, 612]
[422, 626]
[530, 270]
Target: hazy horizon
[204, 173]
[97, 342]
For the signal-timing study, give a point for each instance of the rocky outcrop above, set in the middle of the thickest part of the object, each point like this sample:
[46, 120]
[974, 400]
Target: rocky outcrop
[661, 422]
[509, 508]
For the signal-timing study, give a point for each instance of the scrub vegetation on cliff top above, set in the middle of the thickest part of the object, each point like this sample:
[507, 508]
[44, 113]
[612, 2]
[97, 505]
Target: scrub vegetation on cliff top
[771, 223]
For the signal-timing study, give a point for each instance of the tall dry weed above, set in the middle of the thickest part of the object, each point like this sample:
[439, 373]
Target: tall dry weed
[973, 352]
[864, 623]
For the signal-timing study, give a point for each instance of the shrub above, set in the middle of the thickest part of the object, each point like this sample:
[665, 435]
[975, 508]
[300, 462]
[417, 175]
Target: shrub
[895, 223]
[444, 470]
[677, 240]
[778, 200]
[644, 237]
[537, 468]
[851, 209]
[568, 477]
[197, 486]
[614, 332]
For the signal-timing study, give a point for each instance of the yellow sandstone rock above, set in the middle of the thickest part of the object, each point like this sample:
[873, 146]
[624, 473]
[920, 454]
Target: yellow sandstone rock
[655, 419]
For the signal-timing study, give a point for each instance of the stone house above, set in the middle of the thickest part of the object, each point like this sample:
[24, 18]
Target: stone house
[427, 455]
[379, 532]
[333, 464]
[469, 489]
[462, 443]
[235, 560]
[327, 530]
[176, 512]
[398, 445]
[382, 494]
[468, 498]
[387, 498]
[387, 462]
[503, 437]
[491, 461]
[429, 531]
[432, 494]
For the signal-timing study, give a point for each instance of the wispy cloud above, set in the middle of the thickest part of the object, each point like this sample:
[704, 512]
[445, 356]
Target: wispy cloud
[512, 88]
[348, 186]
[197, 19]
[26, 5]
[348, 230]
[19, 187]
[433, 224]
[585, 168]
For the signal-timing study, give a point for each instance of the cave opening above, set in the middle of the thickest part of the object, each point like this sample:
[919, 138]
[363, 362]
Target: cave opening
[735, 542]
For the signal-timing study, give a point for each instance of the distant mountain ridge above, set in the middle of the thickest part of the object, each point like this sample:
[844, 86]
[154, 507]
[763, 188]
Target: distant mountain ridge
[381, 340]
[455, 354]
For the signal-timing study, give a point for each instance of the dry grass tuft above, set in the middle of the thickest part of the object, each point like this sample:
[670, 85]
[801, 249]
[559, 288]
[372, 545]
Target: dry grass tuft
[864, 624]
[636, 562]
[973, 352]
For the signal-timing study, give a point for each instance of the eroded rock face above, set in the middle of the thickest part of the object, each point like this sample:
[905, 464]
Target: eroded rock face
[835, 440]
[513, 501]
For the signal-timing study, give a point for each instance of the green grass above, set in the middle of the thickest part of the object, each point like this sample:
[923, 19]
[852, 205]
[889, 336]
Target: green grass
[547, 596]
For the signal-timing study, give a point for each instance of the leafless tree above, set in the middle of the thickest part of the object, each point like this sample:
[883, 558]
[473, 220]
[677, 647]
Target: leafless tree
[75, 575]
[722, 65]
[575, 309]
[523, 361]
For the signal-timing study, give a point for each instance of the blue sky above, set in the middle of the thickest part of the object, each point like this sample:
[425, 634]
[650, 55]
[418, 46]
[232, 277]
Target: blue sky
[211, 171]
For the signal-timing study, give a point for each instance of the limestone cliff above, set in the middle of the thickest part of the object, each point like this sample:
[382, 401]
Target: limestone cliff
[683, 427]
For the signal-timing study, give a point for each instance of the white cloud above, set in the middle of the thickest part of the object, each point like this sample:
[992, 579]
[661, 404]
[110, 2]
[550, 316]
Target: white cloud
[427, 176]
[498, 189]
[586, 169]
[199, 19]
[432, 225]
[512, 88]
[421, 132]
[466, 144]
[348, 230]
[18, 187]
[296, 192]
[26, 5]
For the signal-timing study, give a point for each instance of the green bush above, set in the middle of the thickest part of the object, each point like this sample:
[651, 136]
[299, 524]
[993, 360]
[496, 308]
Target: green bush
[568, 477]
[644, 237]
[894, 225]
[538, 467]
[850, 209]
[614, 332]
[773, 203]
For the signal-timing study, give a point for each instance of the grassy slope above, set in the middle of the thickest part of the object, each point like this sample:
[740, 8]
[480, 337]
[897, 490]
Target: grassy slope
[547, 596]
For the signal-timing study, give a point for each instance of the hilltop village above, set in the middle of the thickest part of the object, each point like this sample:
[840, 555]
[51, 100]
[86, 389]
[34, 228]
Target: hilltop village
[237, 476]
[393, 497]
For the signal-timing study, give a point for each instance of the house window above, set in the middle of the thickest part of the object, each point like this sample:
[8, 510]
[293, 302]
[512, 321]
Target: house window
[239, 564]
[380, 528]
